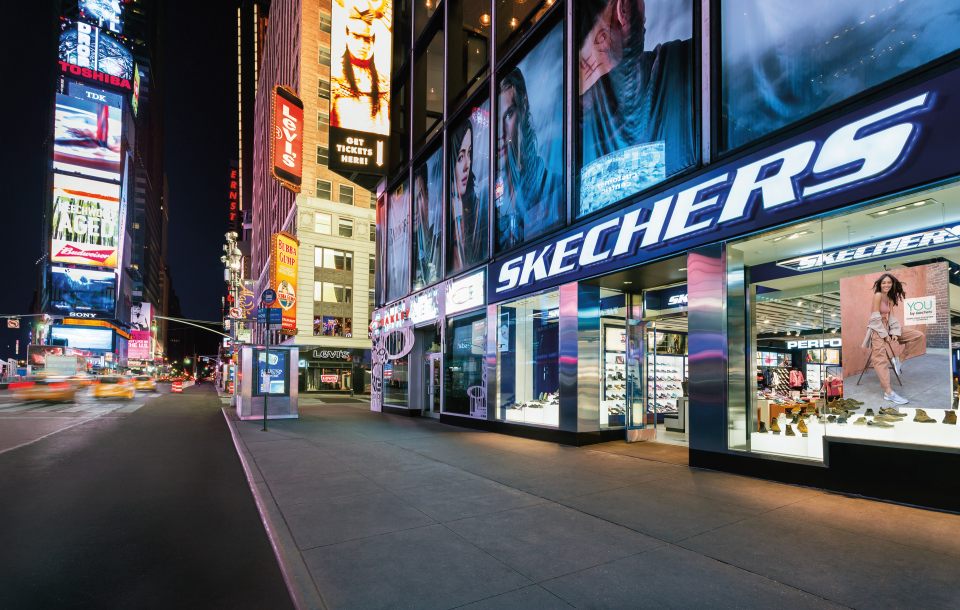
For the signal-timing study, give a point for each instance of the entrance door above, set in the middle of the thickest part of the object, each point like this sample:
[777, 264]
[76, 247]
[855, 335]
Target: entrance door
[431, 385]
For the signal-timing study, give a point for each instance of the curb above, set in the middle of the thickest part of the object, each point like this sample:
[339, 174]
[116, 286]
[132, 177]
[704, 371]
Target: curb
[303, 592]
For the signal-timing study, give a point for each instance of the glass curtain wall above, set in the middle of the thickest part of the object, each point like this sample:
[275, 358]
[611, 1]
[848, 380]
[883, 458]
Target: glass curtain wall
[396, 373]
[849, 328]
[463, 363]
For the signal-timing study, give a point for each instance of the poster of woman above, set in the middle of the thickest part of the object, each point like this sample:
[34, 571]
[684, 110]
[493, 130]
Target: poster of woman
[468, 168]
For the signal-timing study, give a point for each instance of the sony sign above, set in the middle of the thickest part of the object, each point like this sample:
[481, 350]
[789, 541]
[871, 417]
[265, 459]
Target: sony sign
[782, 185]
[814, 343]
[74, 314]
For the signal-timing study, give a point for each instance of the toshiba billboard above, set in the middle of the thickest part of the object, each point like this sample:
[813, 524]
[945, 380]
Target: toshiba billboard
[286, 146]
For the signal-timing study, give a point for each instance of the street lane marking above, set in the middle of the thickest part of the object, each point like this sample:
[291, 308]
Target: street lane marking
[128, 409]
[53, 407]
[11, 406]
[84, 407]
[20, 408]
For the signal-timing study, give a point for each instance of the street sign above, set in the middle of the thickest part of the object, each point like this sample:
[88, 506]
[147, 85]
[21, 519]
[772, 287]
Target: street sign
[275, 315]
[268, 296]
[226, 324]
[235, 312]
[13, 323]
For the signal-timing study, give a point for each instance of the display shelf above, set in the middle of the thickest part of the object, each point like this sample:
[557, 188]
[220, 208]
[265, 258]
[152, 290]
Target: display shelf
[665, 375]
[613, 402]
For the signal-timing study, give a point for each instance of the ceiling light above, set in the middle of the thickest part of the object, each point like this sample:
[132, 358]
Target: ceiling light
[901, 208]
[682, 269]
[513, 22]
[833, 315]
[817, 311]
[628, 282]
[920, 203]
[799, 303]
[882, 213]
[484, 19]
[766, 321]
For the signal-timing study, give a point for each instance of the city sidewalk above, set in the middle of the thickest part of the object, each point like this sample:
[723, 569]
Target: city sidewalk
[369, 510]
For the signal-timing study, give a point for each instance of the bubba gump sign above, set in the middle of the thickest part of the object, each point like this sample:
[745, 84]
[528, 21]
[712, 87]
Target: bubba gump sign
[283, 277]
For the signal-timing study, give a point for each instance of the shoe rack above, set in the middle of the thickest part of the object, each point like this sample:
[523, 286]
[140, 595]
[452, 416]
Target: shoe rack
[613, 406]
[664, 377]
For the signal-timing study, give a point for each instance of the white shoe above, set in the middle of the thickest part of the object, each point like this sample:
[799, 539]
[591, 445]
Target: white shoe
[896, 365]
[894, 397]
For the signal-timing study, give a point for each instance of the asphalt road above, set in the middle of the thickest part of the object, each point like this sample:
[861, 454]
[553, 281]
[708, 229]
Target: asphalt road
[142, 507]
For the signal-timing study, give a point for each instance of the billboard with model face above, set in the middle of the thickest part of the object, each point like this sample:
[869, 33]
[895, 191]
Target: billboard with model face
[92, 294]
[529, 190]
[87, 46]
[636, 97]
[468, 167]
[86, 222]
[398, 242]
[141, 316]
[86, 138]
[428, 221]
[286, 147]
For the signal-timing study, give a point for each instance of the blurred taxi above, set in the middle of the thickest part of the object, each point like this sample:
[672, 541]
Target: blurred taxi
[114, 387]
[143, 382]
[59, 390]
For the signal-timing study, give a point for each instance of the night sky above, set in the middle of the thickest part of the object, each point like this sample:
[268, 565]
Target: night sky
[200, 140]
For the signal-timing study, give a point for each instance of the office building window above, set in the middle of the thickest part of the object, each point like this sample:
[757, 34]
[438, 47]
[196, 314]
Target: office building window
[346, 194]
[346, 227]
[323, 223]
[323, 89]
[373, 232]
[324, 55]
[328, 258]
[373, 266]
[323, 120]
[328, 292]
[325, 23]
[332, 326]
[324, 190]
[323, 155]
[373, 200]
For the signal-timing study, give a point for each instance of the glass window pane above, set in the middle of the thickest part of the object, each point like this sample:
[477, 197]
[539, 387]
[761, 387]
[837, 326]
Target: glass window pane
[530, 164]
[468, 56]
[401, 34]
[528, 342]
[323, 88]
[317, 256]
[395, 373]
[329, 259]
[514, 19]
[427, 221]
[324, 189]
[325, 23]
[346, 196]
[330, 293]
[323, 155]
[373, 263]
[428, 90]
[338, 294]
[345, 224]
[318, 291]
[423, 10]
[468, 166]
[338, 259]
[463, 363]
[323, 120]
[348, 265]
[398, 243]
[800, 58]
[399, 122]
[373, 232]
[318, 327]
[323, 223]
[348, 295]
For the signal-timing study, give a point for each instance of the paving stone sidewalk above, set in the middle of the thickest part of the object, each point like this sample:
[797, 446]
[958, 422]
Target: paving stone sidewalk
[379, 511]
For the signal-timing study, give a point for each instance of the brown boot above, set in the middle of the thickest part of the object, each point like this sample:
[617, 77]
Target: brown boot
[802, 427]
[790, 431]
[950, 418]
[775, 425]
[923, 418]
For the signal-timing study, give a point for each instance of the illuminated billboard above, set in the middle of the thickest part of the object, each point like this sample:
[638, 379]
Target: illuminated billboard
[86, 222]
[138, 347]
[86, 138]
[360, 42]
[141, 316]
[108, 14]
[233, 196]
[283, 277]
[87, 46]
[82, 293]
[85, 338]
[135, 99]
[286, 146]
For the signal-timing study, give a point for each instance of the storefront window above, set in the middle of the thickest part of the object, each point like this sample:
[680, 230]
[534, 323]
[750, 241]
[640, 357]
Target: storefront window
[848, 329]
[528, 364]
[332, 326]
[463, 385]
[396, 373]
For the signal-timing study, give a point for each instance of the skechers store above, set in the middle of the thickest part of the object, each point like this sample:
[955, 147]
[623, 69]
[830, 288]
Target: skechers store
[767, 278]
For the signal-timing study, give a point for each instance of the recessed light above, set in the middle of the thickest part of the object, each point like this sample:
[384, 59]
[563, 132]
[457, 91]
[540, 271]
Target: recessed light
[881, 213]
[682, 269]
[628, 282]
[817, 311]
[799, 303]
[920, 203]
[903, 207]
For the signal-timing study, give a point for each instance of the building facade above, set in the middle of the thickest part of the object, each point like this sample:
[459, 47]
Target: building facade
[333, 216]
[629, 220]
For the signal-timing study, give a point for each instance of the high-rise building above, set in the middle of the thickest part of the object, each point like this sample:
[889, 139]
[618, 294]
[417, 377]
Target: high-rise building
[333, 215]
[251, 34]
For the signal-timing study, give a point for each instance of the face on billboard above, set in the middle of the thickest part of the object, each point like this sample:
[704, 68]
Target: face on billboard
[427, 221]
[468, 168]
[529, 189]
[84, 338]
[287, 141]
[87, 138]
[87, 46]
[84, 292]
[360, 68]
[141, 316]
[636, 97]
[398, 242]
[86, 216]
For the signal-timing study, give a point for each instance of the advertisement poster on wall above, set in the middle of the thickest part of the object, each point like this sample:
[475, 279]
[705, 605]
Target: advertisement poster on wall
[286, 146]
[360, 43]
[468, 167]
[283, 277]
[398, 242]
[141, 316]
[277, 371]
[783, 61]
[83, 293]
[108, 14]
[139, 345]
[86, 216]
[636, 97]
[87, 46]
[86, 138]
[427, 221]
[529, 189]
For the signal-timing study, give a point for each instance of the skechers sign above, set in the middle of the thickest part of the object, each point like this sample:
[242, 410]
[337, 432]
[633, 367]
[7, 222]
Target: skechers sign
[903, 141]
[887, 247]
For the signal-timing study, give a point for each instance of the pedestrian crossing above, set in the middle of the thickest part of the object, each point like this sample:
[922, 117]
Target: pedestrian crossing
[92, 408]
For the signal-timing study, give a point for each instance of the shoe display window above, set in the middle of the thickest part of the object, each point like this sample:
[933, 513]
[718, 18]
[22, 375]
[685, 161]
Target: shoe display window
[528, 363]
[613, 386]
[862, 305]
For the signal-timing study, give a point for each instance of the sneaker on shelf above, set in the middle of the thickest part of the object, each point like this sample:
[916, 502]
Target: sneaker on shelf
[887, 418]
[894, 397]
[869, 413]
[892, 411]
[861, 421]
[879, 424]
[950, 417]
[842, 421]
[832, 419]
[923, 418]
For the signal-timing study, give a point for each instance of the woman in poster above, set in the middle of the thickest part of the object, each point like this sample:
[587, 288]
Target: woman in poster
[468, 211]
[883, 330]
[427, 232]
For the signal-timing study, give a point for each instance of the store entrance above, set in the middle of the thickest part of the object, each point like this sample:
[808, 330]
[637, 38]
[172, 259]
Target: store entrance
[665, 378]
[431, 385]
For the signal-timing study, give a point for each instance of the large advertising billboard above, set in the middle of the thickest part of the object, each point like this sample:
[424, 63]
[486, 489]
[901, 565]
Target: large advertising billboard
[283, 276]
[86, 138]
[138, 347]
[781, 61]
[85, 338]
[86, 46]
[637, 89]
[86, 222]
[398, 242]
[141, 316]
[108, 14]
[468, 167]
[83, 293]
[428, 221]
[360, 42]
[529, 190]
[286, 146]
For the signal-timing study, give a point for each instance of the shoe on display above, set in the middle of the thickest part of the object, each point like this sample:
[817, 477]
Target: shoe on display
[841, 421]
[869, 413]
[950, 417]
[802, 427]
[887, 418]
[879, 424]
[796, 418]
[822, 419]
[923, 418]
[775, 426]
[832, 419]
[763, 428]
[892, 411]
[894, 397]
[790, 431]
[855, 403]
[861, 421]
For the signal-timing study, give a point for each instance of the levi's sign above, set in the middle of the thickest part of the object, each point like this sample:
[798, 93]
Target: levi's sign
[905, 140]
